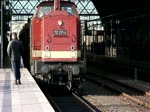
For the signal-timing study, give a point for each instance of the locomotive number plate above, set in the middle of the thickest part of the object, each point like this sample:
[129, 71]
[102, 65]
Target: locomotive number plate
[60, 32]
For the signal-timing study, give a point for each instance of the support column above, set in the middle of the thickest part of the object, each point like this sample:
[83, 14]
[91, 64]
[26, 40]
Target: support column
[2, 13]
[111, 38]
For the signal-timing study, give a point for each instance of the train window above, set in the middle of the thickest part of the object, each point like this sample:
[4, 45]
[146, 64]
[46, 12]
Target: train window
[69, 9]
[35, 13]
[44, 10]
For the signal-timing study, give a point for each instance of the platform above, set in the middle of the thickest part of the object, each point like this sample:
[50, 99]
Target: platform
[26, 97]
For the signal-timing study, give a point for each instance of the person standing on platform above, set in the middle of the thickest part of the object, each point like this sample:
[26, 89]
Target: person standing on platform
[15, 51]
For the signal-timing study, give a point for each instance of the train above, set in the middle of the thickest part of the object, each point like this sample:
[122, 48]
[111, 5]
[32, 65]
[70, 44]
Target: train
[53, 43]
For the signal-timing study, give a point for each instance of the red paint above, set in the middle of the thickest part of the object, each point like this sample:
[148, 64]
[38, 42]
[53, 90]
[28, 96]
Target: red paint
[42, 30]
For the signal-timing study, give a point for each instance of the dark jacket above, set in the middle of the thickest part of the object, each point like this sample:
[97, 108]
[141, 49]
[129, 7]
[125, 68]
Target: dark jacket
[15, 50]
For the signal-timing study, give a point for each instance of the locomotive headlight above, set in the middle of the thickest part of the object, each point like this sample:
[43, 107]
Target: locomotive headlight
[73, 54]
[60, 23]
[47, 54]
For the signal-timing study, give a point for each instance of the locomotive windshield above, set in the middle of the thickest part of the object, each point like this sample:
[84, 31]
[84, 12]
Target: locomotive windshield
[44, 10]
[69, 9]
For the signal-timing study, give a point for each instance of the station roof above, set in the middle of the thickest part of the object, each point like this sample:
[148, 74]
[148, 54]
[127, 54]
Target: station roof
[122, 8]
[105, 8]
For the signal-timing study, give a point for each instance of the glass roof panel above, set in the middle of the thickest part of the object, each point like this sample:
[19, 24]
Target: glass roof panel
[27, 7]
[24, 9]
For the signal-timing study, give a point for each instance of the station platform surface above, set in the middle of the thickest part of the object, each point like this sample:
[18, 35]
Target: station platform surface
[26, 97]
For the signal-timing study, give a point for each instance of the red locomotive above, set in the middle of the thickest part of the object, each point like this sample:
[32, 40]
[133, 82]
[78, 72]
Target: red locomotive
[56, 42]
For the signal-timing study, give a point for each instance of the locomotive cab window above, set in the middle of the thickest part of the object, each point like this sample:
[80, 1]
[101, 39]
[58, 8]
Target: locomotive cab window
[44, 10]
[69, 9]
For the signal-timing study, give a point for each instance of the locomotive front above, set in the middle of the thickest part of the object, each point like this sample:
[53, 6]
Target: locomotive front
[56, 47]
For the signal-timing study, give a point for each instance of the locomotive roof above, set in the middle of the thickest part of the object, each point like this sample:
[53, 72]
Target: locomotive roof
[43, 3]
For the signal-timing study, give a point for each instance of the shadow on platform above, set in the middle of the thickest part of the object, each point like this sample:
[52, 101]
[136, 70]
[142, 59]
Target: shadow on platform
[7, 63]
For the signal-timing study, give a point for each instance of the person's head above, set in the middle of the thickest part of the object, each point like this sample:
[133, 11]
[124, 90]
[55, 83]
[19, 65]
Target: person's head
[14, 35]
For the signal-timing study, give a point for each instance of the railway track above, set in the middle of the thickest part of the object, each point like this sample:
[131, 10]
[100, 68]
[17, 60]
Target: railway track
[63, 100]
[138, 96]
[70, 103]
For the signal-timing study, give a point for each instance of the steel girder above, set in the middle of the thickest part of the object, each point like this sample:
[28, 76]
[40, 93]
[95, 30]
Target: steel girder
[25, 8]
